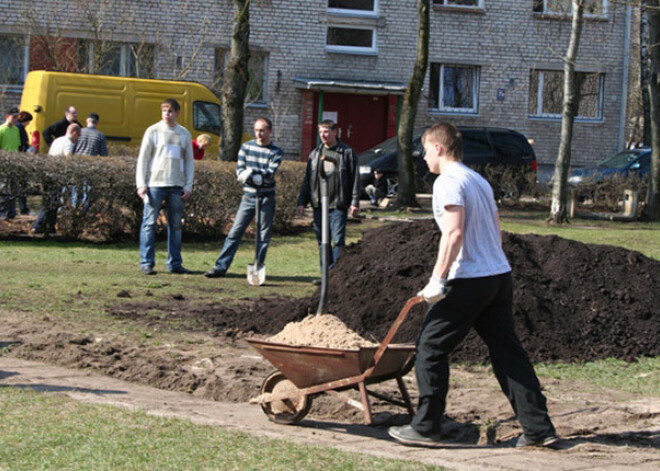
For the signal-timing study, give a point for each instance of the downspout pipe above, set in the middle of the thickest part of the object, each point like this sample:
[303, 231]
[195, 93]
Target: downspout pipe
[623, 115]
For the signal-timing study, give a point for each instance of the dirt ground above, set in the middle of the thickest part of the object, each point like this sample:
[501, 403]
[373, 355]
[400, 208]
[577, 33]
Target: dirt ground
[572, 302]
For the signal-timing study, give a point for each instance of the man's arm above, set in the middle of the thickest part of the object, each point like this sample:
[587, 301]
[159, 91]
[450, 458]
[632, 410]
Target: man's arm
[48, 133]
[453, 222]
[143, 163]
[104, 147]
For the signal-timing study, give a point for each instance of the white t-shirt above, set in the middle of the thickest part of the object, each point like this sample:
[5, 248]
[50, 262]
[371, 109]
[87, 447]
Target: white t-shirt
[481, 253]
[61, 146]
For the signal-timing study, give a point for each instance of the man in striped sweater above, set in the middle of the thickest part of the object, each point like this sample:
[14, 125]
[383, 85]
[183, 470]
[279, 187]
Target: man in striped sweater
[258, 160]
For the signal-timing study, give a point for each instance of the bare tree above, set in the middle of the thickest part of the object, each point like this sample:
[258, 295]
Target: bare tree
[572, 85]
[234, 88]
[406, 197]
[653, 16]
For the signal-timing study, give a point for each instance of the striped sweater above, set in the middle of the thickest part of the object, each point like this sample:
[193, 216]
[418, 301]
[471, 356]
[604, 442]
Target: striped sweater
[262, 160]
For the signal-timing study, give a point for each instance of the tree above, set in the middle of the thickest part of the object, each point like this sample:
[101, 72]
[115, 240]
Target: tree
[406, 197]
[572, 85]
[234, 88]
[653, 16]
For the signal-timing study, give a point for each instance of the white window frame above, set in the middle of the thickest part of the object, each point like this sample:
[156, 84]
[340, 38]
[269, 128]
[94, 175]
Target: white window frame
[539, 114]
[546, 11]
[446, 4]
[16, 87]
[351, 12]
[372, 50]
[441, 108]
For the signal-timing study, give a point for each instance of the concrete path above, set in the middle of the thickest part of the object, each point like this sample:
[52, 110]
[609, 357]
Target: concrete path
[81, 385]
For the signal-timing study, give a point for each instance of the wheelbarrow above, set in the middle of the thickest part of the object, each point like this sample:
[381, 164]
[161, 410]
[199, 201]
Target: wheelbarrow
[304, 372]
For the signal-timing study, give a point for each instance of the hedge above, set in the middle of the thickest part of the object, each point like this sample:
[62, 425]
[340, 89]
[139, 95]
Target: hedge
[114, 211]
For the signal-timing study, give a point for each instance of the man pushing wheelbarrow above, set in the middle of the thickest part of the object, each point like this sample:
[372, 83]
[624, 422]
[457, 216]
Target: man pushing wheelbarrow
[470, 286]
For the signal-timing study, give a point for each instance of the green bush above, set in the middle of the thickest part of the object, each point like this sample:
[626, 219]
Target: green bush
[112, 209]
[608, 193]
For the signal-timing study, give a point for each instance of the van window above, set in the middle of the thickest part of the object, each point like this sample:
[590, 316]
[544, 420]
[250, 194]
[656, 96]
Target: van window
[206, 117]
[510, 145]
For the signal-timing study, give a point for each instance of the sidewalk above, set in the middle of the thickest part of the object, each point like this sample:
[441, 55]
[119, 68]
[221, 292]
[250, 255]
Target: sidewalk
[91, 388]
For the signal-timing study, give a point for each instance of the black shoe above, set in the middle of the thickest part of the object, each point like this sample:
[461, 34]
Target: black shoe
[409, 436]
[147, 270]
[317, 281]
[180, 271]
[548, 440]
[215, 273]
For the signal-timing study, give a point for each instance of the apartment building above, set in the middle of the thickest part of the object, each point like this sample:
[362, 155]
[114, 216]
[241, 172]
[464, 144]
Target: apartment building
[491, 62]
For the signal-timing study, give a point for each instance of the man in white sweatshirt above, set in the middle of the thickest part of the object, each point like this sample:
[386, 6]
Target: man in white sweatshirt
[165, 171]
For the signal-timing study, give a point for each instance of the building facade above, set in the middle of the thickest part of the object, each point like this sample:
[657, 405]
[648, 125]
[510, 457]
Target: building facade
[491, 62]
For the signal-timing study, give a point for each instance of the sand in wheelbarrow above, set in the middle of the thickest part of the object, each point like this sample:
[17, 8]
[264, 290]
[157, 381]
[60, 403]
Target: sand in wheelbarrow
[323, 330]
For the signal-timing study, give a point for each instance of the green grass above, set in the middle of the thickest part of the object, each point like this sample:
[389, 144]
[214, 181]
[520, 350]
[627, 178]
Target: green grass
[47, 431]
[639, 377]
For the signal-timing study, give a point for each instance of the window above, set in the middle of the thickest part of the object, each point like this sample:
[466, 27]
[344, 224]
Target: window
[206, 117]
[344, 39]
[119, 59]
[13, 62]
[459, 3]
[353, 7]
[257, 89]
[352, 26]
[455, 88]
[564, 7]
[546, 94]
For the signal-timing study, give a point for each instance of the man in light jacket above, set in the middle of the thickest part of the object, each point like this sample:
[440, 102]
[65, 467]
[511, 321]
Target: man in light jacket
[165, 171]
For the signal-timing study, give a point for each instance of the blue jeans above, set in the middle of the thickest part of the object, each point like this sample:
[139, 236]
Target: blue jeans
[337, 220]
[242, 220]
[171, 195]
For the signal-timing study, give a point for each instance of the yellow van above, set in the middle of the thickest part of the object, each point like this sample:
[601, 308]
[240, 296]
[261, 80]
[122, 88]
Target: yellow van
[127, 106]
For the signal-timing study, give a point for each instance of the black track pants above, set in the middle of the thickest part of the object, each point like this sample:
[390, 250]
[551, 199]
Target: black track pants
[485, 304]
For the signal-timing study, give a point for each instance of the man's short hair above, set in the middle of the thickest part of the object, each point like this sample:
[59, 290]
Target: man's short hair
[448, 136]
[73, 127]
[13, 111]
[94, 117]
[172, 103]
[328, 123]
[268, 122]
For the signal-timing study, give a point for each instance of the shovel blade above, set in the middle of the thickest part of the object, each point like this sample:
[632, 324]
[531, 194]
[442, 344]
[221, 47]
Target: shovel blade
[256, 275]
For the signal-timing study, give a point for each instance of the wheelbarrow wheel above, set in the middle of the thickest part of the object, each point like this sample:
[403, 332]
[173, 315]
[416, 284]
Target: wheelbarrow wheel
[288, 411]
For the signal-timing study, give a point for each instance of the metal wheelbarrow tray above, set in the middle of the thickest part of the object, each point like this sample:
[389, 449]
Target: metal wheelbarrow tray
[305, 371]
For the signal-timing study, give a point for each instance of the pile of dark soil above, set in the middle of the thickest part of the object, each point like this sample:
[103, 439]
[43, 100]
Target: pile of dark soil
[572, 301]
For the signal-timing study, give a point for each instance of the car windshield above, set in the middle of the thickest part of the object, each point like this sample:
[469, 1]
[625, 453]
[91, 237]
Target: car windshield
[618, 160]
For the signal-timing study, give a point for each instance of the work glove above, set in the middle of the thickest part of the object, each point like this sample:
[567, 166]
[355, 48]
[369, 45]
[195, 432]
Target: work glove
[257, 179]
[434, 291]
[244, 174]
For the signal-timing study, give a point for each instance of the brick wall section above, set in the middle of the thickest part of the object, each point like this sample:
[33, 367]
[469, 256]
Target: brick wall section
[505, 39]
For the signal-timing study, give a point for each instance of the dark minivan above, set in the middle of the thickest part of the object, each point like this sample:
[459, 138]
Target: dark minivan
[481, 146]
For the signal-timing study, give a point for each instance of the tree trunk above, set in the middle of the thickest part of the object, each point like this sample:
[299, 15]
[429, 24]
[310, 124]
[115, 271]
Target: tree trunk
[235, 84]
[653, 12]
[407, 189]
[644, 75]
[558, 212]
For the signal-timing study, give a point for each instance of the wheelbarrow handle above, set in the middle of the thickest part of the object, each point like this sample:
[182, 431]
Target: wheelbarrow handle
[395, 327]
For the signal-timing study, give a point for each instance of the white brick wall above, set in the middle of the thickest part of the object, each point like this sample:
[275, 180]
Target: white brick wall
[505, 39]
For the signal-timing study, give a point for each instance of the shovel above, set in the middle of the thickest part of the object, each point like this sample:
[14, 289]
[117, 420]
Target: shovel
[256, 274]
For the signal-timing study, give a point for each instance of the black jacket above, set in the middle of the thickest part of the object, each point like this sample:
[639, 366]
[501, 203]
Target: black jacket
[57, 129]
[348, 193]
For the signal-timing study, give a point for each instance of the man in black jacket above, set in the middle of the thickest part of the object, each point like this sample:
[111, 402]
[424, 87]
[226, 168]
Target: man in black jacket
[343, 188]
[58, 128]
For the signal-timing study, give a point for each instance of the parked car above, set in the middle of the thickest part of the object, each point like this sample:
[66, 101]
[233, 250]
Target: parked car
[625, 163]
[482, 146]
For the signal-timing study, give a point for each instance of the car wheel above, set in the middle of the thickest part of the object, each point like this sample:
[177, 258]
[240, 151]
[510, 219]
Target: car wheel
[392, 185]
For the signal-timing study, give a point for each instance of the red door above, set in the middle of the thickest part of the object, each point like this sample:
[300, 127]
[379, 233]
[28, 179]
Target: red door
[362, 119]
